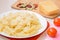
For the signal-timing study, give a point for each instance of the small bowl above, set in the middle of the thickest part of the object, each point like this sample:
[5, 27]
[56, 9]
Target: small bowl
[42, 20]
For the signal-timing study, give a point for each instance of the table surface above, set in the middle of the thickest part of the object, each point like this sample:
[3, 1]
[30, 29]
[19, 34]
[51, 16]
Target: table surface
[5, 5]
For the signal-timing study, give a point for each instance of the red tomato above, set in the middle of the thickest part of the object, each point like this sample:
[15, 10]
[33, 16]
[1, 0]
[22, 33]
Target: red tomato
[57, 21]
[52, 32]
[29, 6]
[36, 5]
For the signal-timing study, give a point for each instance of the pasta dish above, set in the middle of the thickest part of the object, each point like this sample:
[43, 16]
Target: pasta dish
[19, 24]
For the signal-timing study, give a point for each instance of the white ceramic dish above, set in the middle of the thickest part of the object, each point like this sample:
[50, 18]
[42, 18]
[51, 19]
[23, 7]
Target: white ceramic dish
[42, 20]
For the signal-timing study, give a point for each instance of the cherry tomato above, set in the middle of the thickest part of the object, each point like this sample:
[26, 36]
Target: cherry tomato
[57, 21]
[29, 6]
[19, 4]
[52, 32]
[36, 5]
